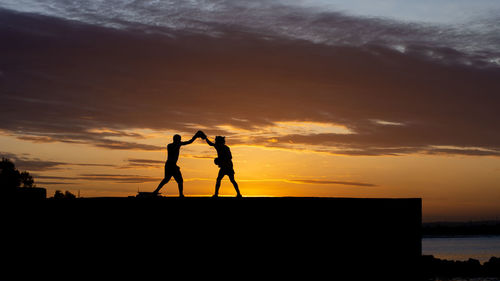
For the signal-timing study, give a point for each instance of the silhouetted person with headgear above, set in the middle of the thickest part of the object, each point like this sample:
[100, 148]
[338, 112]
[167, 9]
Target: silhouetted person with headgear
[171, 168]
[224, 162]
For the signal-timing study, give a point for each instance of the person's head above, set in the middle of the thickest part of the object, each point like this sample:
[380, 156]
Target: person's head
[177, 138]
[220, 140]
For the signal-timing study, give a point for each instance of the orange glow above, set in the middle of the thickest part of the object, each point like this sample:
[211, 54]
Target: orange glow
[308, 106]
[453, 187]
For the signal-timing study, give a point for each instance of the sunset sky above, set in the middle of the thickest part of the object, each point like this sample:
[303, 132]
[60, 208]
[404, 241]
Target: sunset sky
[330, 98]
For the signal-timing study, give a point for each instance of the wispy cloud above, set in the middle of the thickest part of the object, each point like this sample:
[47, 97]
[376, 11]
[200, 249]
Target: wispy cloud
[55, 183]
[118, 178]
[53, 177]
[28, 163]
[329, 182]
[314, 21]
[253, 83]
[145, 162]
[134, 163]
[91, 138]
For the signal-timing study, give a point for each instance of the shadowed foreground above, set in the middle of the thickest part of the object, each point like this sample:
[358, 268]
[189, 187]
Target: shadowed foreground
[224, 237]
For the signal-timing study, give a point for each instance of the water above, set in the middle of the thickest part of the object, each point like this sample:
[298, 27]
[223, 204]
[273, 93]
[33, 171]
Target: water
[462, 248]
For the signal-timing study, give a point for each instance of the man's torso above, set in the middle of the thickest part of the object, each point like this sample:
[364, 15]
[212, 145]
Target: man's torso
[173, 154]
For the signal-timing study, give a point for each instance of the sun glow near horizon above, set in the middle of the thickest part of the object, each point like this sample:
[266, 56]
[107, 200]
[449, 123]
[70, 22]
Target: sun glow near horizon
[269, 171]
[315, 98]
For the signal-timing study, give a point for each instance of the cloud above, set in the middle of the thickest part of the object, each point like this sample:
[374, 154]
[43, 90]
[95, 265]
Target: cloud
[202, 156]
[374, 144]
[133, 163]
[27, 163]
[328, 182]
[55, 183]
[53, 177]
[92, 138]
[71, 81]
[31, 164]
[146, 162]
[118, 178]
[463, 151]
[313, 21]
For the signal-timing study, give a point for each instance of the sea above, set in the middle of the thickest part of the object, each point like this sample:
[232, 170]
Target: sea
[462, 248]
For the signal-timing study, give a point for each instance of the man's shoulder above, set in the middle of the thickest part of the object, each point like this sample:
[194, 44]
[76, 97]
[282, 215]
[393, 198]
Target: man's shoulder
[172, 145]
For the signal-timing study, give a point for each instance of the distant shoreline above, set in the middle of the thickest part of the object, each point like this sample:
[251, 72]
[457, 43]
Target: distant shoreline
[457, 229]
[471, 268]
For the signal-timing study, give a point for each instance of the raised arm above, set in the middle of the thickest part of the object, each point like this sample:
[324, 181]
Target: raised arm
[209, 142]
[189, 141]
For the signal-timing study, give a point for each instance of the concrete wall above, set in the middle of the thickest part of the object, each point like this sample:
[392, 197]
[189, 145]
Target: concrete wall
[23, 193]
[311, 238]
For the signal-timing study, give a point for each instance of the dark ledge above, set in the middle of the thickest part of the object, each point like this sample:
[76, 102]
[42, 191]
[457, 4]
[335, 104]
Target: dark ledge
[279, 237]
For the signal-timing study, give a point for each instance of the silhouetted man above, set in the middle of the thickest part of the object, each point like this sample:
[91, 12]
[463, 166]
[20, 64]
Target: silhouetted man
[171, 168]
[224, 162]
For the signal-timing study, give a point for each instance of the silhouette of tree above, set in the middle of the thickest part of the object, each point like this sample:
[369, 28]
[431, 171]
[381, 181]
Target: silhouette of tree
[9, 175]
[58, 195]
[11, 178]
[27, 179]
[66, 195]
[69, 195]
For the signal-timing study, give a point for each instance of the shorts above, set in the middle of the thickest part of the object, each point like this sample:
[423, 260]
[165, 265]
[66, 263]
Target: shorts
[226, 171]
[172, 171]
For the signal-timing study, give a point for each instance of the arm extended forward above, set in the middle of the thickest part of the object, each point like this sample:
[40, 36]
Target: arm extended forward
[209, 142]
[189, 141]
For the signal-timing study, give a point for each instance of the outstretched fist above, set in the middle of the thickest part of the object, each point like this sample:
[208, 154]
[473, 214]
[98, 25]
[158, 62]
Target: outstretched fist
[200, 134]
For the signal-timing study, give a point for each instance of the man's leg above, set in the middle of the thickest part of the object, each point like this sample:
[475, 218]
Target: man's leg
[233, 181]
[164, 181]
[217, 183]
[180, 183]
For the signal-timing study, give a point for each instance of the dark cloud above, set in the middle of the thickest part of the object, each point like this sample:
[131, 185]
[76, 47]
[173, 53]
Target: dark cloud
[146, 162]
[401, 142]
[142, 163]
[313, 22]
[31, 164]
[202, 156]
[133, 163]
[24, 162]
[470, 152]
[90, 165]
[118, 178]
[331, 182]
[53, 177]
[55, 183]
[63, 80]
[96, 139]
